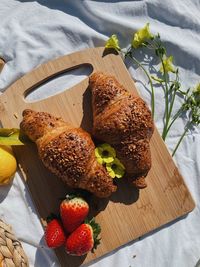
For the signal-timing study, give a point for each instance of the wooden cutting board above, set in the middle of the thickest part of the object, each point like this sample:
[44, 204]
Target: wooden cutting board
[128, 213]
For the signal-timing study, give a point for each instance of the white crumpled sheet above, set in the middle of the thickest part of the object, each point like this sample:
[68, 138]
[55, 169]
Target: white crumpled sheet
[33, 32]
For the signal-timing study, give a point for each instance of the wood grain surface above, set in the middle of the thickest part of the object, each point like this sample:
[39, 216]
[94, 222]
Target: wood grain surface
[128, 213]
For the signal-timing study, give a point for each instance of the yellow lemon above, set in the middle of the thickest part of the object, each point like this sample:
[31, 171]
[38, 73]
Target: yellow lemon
[8, 165]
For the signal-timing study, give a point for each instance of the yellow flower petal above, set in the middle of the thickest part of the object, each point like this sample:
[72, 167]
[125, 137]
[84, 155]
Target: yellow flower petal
[105, 153]
[197, 89]
[141, 36]
[98, 152]
[111, 173]
[108, 159]
[113, 42]
[100, 160]
[116, 168]
[119, 172]
[119, 175]
[167, 62]
[109, 149]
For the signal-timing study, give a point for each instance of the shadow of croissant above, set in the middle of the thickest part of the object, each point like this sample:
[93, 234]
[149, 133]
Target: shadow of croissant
[87, 120]
[126, 193]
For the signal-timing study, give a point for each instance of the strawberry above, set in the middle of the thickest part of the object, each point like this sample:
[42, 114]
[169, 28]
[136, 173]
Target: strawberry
[73, 211]
[54, 234]
[83, 239]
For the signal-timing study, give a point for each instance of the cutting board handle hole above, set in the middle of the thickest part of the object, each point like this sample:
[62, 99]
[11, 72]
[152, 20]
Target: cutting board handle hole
[58, 83]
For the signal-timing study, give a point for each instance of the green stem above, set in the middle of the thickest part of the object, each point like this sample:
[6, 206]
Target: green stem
[170, 111]
[173, 120]
[181, 138]
[172, 104]
[150, 82]
[166, 101]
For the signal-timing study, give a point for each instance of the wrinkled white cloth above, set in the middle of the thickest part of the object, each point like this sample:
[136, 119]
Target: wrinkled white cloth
[33, 32]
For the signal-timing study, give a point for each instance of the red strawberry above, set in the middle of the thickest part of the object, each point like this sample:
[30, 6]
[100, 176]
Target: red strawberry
[54, 234]
[83, 239]
[73, 211]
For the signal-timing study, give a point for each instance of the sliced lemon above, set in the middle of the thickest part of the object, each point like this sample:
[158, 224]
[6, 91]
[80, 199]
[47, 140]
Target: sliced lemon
[8, 165]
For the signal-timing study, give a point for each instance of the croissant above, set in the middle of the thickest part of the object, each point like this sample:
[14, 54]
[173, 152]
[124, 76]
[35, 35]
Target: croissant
[124, 121]
[68, 152]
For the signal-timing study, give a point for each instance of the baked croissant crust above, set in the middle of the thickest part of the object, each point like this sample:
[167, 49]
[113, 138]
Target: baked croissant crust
[68, 152]
[124, 121]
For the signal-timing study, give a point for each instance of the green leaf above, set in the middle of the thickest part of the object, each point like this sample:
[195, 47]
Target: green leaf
[155, 78]
[160, 51]
[7, 132]
[12, 137]
[96, 231]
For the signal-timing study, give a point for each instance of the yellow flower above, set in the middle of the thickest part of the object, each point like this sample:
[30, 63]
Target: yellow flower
[105, 153]
[113, 42]
[196, 94]
[197, 89]
[167, 62]
[141, 36]
[115, 169]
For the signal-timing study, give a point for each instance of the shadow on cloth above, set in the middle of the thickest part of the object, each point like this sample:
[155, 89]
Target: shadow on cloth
[137, 240]
[71, 261]
[4, 190]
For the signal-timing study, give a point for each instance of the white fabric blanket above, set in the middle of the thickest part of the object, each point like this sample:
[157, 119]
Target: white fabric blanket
[33, 32]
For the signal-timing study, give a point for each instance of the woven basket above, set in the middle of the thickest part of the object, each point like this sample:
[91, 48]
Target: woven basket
[11, 251]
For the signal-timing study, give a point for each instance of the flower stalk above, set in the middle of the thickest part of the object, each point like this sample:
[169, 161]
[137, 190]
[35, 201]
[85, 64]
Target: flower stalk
[130, 55]
[181, 138]
[167, 79]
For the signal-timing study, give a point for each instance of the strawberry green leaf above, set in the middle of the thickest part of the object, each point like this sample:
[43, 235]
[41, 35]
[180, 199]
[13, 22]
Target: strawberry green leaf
[96, 231]
[52, 216]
